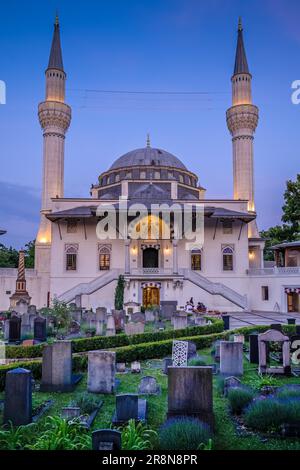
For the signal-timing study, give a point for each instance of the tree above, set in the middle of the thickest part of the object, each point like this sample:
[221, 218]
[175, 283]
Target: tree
[119, 293]
[9, 257]
[290, 230]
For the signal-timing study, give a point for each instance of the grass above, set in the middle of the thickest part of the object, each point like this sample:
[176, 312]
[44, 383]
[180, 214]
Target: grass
[225, 437]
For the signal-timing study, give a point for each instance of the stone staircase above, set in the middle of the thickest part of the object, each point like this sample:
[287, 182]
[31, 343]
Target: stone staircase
[216, 288]
[87, 288]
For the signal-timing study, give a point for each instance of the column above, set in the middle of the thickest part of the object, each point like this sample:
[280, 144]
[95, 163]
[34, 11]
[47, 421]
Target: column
[127, 256]
[175, 257]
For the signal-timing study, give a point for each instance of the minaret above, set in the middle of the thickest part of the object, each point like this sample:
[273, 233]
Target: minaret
[54, 116]
[242, 120]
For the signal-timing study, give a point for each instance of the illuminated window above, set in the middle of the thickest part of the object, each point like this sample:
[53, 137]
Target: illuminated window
[104, 257]
[71, 257]
[196, 260]
[227, 258]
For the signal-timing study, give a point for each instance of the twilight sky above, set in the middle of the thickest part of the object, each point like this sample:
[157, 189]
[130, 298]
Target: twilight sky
[146, 45]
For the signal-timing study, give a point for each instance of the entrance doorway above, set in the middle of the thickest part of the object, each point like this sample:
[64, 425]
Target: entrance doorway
[151, 296]
[293, 302]
[150, 258]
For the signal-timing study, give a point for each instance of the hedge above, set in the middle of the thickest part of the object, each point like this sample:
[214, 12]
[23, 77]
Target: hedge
[109, 342]
[129, 353]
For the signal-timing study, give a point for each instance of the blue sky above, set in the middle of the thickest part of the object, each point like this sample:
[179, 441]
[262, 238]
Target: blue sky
[152, 45]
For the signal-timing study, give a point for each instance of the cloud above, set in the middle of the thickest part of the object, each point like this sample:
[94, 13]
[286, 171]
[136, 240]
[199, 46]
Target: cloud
[19, 213]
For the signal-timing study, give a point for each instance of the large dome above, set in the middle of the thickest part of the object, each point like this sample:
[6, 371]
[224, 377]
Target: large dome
[148, 156]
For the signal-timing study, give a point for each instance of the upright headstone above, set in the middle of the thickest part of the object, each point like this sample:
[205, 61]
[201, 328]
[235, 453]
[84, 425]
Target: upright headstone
[40, 329]
[129, 406]
[137, 317]
[101, 371]
[149, 316]
[134, 328]
[106, 440]
[32, 310]
[295, 350]
[226, 321]
[253, 348]
[167, 308]
[291, 321]
[180, 321]
[119, 316]
[239, 338]
[231, 358]
[18, 397]
[57, 368]
[190, 393]
[148, 386]
[273, 335]
[22, 306]
[25, 325]
[6, 329]
[180, 353]
[110, 326]
[14, 329]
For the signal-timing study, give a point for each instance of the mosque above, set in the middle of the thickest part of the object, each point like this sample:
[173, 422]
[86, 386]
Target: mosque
[78, 259]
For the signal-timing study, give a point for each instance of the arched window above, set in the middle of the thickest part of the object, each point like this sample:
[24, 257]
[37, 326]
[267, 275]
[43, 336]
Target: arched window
[181, 178]
[196, 260]
[227, 253]
[71, 256]
[104, 257]
[117, 177]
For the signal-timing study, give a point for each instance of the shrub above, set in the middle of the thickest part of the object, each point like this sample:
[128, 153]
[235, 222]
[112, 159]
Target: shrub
[239, 398]
[86, 402]
[62, 435]
[288, 392]
[183, 434]
[263, 380]
[135, 436]
[197, 361]
[268, 414]
[15, 438]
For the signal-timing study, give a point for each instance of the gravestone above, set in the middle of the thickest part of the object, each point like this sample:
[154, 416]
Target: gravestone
[231, 382]
[297, 329]
[276, 326]
[25, 325]
[159, 325]
[32, 310]
[149, 316]
[226, 321]
[121, 367]
[291, 321]
[134, 328]
[101, 372]
[21, 307]
[119, 316]
[129, 406]
[14, 329]
[231, 358]
[70, 412]
[18, 397]
[57, 368]
[6, 330]
[74, 327]
[167, 308]
[110, 326]
[32, 317]
[148, 386]
[167, 362]
[216, 350]
[199, 320]
[40, 329]
[192, 350]
[239, 338]
[190, 393]
[180, 353]
[137, 317]
[77, 314]
[253, 348]
[180, 321]
[277, 336]
[101, 314]
[106, 439]
[135, 367]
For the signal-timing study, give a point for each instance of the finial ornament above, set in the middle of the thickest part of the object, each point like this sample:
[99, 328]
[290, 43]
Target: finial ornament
[148, 140]
[56, 18]
[240, 26]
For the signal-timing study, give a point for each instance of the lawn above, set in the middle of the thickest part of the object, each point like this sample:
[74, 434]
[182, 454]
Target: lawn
[225, 437]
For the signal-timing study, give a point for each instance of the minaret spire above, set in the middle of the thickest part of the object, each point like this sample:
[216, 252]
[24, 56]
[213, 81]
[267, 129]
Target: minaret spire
[55, 58]
[148, 140]
[241, 64]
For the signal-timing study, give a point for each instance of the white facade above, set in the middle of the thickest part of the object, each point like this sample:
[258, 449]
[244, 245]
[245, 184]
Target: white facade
[226, 273]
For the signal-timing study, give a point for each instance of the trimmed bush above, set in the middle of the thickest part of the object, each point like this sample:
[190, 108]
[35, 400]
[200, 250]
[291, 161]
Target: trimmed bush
[103, 342]
[197, 361]
[269, 414]
[239, 398]
[183, 434]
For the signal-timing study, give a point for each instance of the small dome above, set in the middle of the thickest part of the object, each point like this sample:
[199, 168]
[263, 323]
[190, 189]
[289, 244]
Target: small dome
[148, 156]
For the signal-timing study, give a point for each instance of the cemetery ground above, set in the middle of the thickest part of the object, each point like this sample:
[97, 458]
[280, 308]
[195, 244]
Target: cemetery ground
[226, 436]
